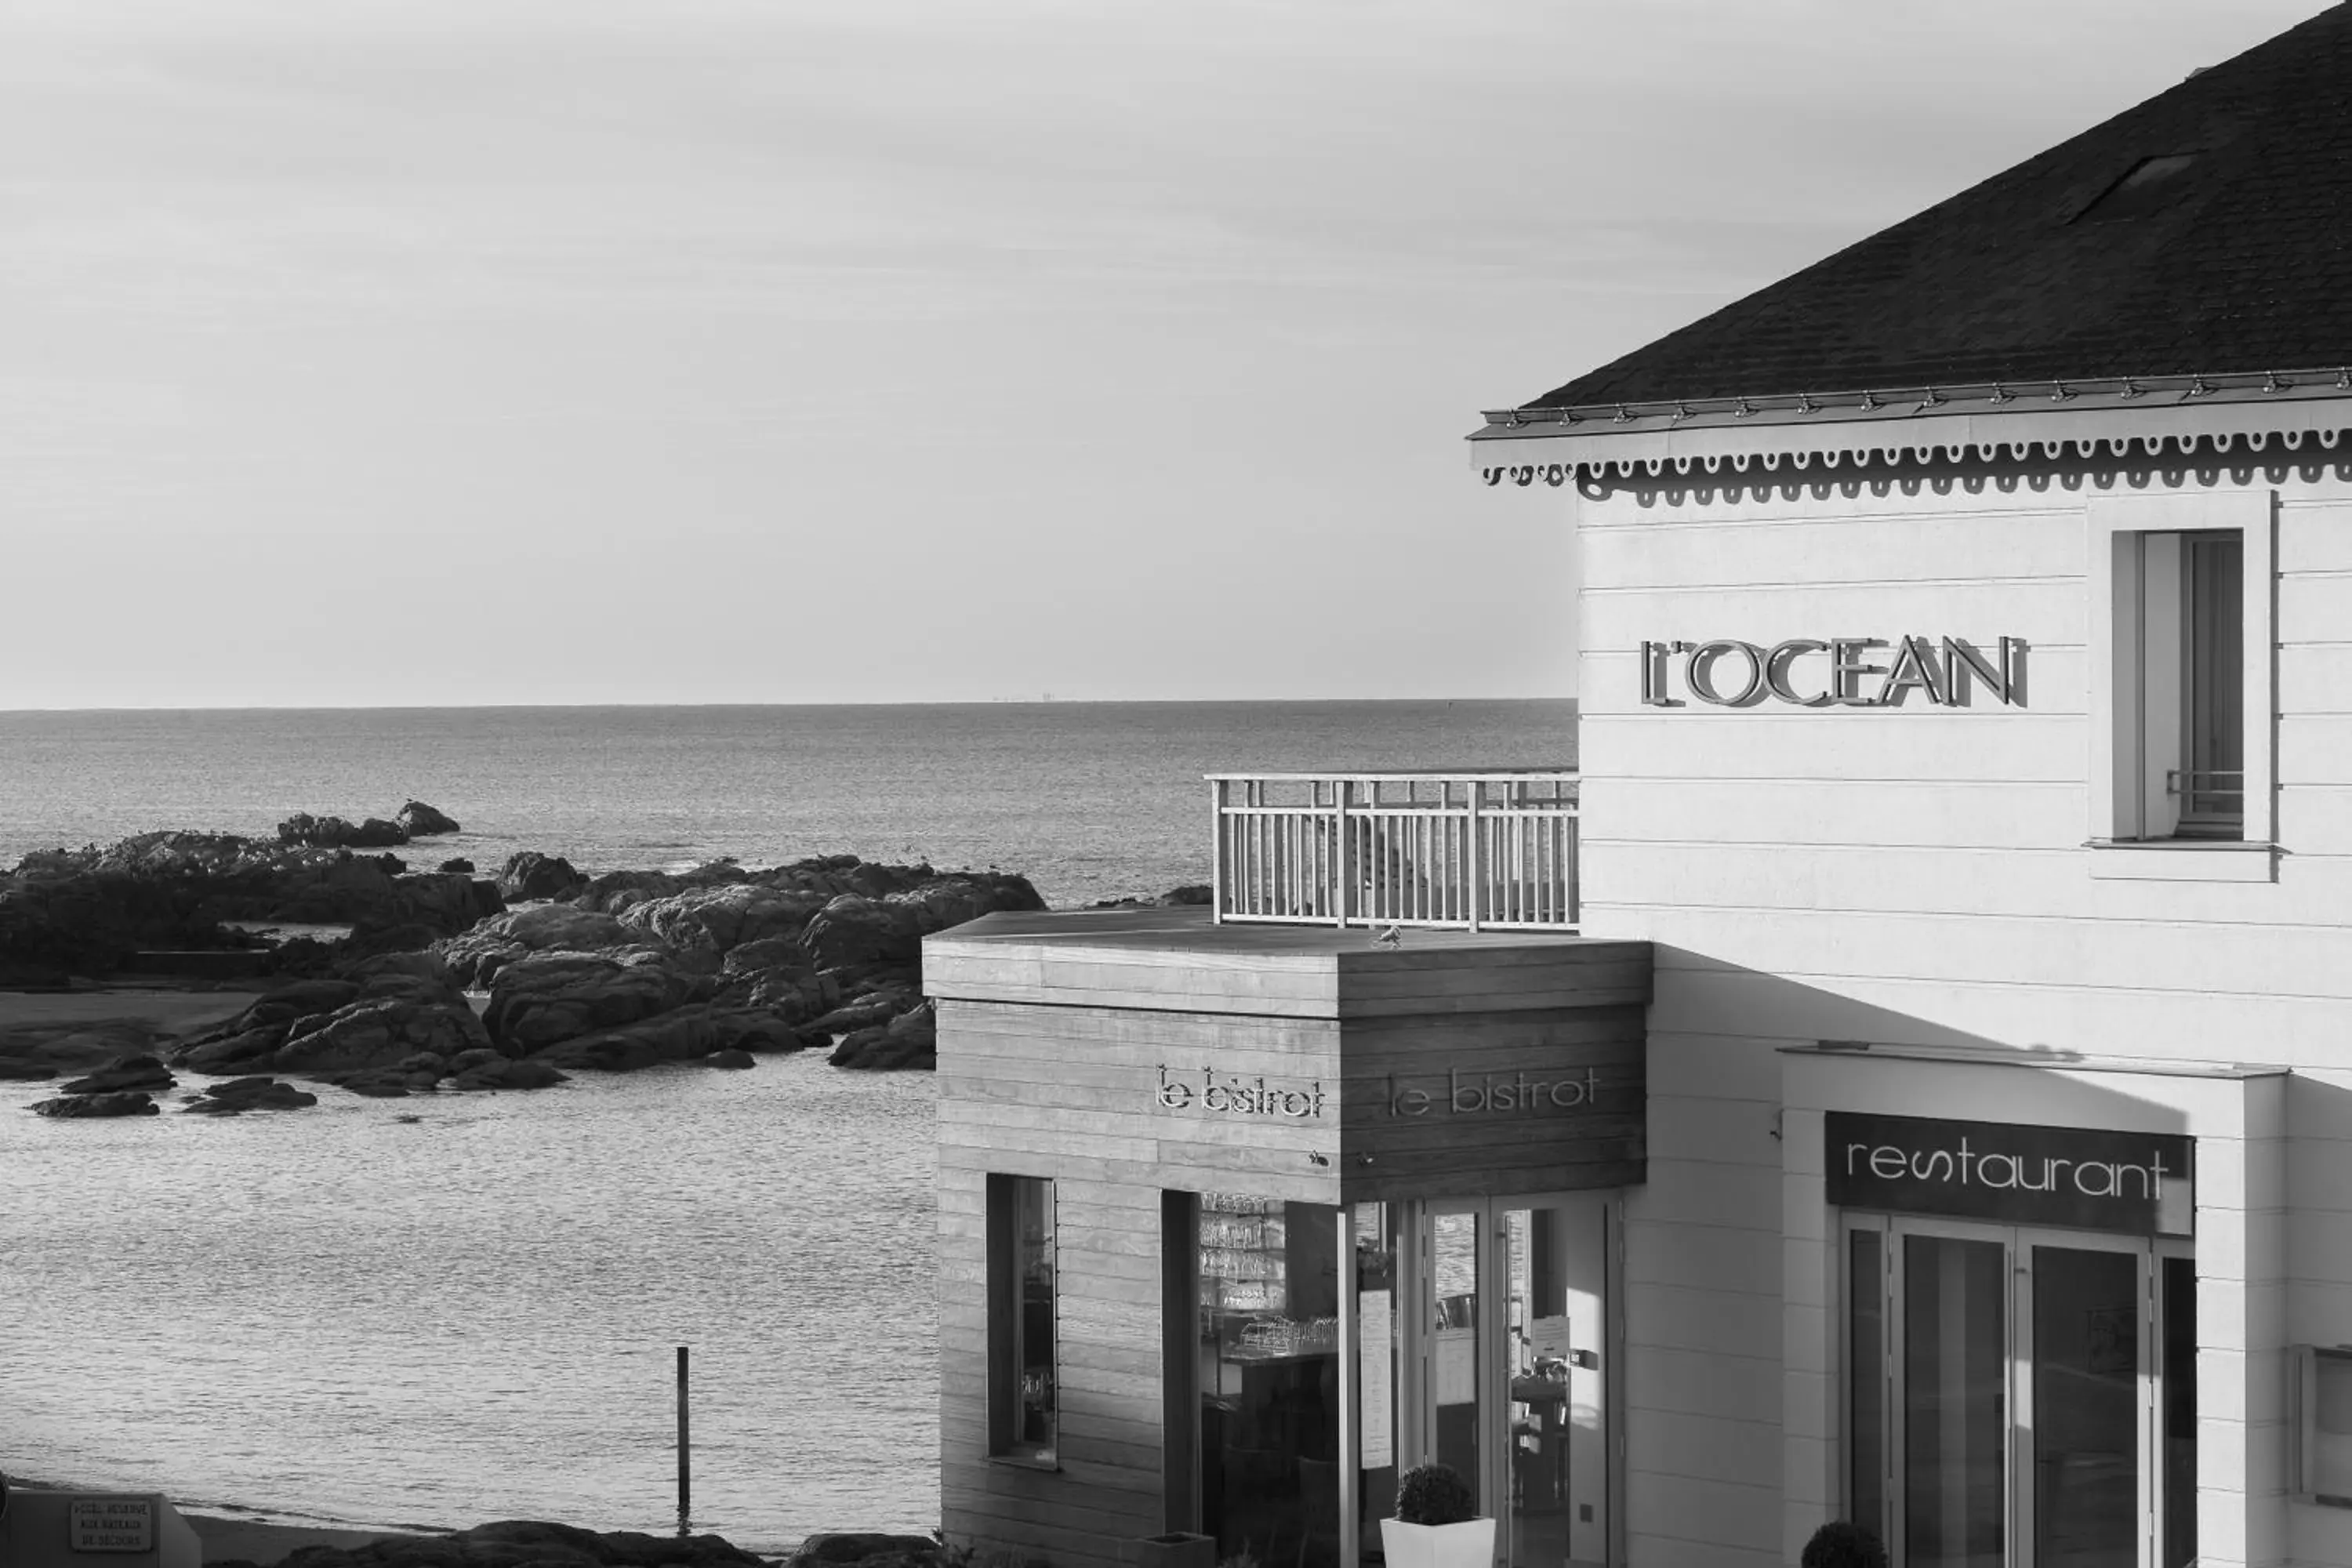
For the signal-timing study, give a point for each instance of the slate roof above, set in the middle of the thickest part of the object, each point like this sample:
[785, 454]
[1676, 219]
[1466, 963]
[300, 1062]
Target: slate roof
[2242, 260]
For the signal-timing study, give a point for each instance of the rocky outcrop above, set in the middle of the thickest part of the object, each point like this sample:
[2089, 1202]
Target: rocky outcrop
[685, 1034]
[377, 1034]
[531, 874]
[722, 918]
[243, 1094]
[335, 833]
[33, 1052]
[909, 1041]
[384, 1010]
[125, 1102]
[529, 1543]
[476, 957]
[419, 820]
[86, 911]
[548, 997]
[1191, 895]
[459, 864]
[869, 1549]
[139, 1071]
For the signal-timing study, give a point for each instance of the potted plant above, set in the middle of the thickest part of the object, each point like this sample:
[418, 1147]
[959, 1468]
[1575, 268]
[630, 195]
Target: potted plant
[1437, 1522]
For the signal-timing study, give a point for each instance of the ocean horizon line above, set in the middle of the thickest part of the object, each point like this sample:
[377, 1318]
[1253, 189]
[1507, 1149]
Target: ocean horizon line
[767, 707]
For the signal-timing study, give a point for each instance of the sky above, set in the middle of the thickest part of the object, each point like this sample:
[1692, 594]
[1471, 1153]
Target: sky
[444, 352]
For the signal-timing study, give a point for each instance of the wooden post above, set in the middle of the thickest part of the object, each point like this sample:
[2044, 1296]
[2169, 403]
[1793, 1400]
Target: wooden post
[1477, 911]
[1219, 878]
[685, 1450]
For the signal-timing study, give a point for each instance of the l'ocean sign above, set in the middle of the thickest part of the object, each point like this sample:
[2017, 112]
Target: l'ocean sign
[2140, 1183]
[1834, 672]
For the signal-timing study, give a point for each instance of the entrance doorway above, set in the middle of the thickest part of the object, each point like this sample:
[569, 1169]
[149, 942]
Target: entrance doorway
[1483, 1344]
[2020, 1397]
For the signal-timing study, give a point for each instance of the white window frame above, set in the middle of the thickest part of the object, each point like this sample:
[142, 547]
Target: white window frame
[2123, 691]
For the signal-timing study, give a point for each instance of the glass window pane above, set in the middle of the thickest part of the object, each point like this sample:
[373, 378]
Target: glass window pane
[1866, 1381]
[1269, 1352]
[1552, 1313]
[2213, 790]
[2180, 1438]
[1034, 1349]
[1378, 1326]
[1955, 1410]
[1453, 1343]
[2087, 1315]
[1022, 1397]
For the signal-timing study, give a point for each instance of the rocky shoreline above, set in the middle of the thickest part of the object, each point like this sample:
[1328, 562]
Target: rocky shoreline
[450, 981]
[534, 1543]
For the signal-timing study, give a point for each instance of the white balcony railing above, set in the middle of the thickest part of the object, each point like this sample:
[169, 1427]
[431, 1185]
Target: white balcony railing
[1470, 851]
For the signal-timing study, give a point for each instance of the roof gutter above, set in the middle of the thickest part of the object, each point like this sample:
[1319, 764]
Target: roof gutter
[1988, 420]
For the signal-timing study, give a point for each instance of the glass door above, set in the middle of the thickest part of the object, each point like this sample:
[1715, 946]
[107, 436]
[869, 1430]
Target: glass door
[2086, 1369]
[1553, 1257]
[1481, 1343]
[2020, 1395]
[1456, 1387]
[1954, 1423]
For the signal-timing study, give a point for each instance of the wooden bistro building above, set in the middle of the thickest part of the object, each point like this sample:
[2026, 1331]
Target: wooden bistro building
[1245, 1208]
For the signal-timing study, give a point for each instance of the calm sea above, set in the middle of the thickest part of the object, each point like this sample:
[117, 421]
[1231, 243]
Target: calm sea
[342, 1315]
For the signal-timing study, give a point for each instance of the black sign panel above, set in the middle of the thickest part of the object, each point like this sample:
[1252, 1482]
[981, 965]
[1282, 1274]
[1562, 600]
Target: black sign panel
[2094, 1178]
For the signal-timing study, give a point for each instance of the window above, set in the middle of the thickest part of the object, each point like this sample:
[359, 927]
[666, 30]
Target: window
[1021, 1398]
[2181, 685]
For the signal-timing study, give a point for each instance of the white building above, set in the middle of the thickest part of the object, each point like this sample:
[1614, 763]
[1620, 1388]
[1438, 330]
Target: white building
[1966, 768]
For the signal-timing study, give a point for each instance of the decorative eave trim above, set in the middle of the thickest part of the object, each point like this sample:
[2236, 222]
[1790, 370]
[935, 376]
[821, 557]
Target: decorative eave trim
[2146, 417]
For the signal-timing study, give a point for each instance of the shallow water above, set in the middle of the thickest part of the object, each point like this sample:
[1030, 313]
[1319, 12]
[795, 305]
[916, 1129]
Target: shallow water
[474, 1315]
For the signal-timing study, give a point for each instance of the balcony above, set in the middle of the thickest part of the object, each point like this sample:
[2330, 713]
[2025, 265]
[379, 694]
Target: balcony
[1458, 851]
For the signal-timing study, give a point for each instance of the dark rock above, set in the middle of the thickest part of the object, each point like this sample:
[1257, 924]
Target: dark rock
[127, 1102]
[401, 936]
[240, 1095]
[368, 970]
[870, 1011]
[460, 864]
[854, 932]
[264, 1036]
[38, 1051]
[855, 1548]
[734, 1059]
[378, 1032]
[335, 833]
[682, 1035]
[531, 874]
[140, 1071]
[907, 1041]
[385, 1085]
[419, 820]
[1190, 895]
[504, 1073]
[475, 957]
[229, 1053]
[724, 918]
[544, 998]
[529, 1543]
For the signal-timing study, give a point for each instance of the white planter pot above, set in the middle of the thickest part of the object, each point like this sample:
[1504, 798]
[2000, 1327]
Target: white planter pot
[1470, 1545]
